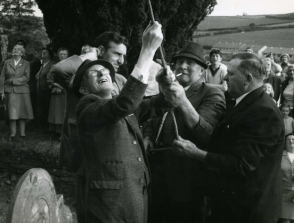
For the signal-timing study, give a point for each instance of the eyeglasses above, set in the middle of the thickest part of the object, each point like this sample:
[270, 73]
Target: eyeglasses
[94, 73]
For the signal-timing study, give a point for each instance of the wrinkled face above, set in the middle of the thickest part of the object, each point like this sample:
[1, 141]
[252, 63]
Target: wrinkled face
[235, 80]
[285, 111]
[45, 54]
[267, 88]
[17, 50]
[290, 143]
[191, 71]
[63, 54]
[284, 59]
[115, 54]
[215, 59]
[98, 80]
[290, 72]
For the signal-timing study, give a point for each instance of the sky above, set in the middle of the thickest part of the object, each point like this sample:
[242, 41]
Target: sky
[252, 7]
[238, 7]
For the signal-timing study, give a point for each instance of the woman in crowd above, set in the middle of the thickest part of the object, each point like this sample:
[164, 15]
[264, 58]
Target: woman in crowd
[44, 92]
[268, 88]
[15, 89]
[57, 103]
[287, 95]
[272, 79]
[284, 58]
[288, 120]
[287, 213]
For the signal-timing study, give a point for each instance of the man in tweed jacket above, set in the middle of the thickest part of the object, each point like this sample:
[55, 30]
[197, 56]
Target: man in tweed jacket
[177, 182]
[117, 174]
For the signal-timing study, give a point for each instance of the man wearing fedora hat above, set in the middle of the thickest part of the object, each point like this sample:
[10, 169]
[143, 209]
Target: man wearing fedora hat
[177, 182]
[117, 174]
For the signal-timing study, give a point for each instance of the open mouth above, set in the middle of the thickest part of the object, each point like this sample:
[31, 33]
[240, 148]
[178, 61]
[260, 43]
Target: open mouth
[102, 81]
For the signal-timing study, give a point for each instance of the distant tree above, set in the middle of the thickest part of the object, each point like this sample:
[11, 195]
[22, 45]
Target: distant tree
[73, 23]
[18, 22]
[252, 25]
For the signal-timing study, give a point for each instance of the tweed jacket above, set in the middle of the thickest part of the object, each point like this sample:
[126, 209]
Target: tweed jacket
[63, 74]
[41, 76]
[114, 155]
[20, 75]
[245, 158]
[184, 175]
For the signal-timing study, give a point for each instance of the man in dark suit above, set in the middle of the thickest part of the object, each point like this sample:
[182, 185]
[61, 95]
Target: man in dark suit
[115, 162]
[177, 189]
[244, 159]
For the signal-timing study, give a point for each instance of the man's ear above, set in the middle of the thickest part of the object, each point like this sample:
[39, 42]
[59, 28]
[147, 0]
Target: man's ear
[100, 50]
[248, 79]
[83, 91]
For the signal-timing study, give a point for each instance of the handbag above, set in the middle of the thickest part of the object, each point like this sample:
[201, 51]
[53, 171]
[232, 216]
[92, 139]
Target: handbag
[3, 110]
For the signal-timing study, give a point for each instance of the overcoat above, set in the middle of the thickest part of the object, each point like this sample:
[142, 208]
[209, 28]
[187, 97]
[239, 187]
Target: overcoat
[117, 173]
[245, 162]
[20, 75]
[184, 175]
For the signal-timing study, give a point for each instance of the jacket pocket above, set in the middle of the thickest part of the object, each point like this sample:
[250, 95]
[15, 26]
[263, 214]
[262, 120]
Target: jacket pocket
[104, 184]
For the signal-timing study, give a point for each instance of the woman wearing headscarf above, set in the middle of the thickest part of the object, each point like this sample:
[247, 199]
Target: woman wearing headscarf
[287, 165]
[14, 88]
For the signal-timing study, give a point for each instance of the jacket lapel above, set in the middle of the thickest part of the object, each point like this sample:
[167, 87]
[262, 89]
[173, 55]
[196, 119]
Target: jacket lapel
[246, 101]
[20, 63]
[11, 64]
[285, 154]
[194, 88]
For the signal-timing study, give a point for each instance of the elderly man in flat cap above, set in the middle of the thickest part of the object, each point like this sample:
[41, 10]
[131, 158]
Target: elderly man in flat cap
[117, 175]
[177, 189]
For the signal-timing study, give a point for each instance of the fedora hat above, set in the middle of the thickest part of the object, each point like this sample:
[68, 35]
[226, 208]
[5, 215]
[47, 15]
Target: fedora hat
[194, 51]
[81, 71]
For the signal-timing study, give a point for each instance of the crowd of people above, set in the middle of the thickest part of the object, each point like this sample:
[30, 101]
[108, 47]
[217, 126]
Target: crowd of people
[199, 141]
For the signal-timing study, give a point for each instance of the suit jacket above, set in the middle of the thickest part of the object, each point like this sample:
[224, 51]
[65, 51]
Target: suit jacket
[63, 73]
[114, 155]
[184, 175]
[41, 76]
[245, 159]
[20, 75]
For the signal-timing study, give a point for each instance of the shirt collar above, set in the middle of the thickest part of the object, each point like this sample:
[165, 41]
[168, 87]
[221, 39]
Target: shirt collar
[241, 98]
[16, 61]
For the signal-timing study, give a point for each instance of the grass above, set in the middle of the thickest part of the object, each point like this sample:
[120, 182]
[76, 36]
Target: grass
[42, 144]
[275, 37]
[217, 22]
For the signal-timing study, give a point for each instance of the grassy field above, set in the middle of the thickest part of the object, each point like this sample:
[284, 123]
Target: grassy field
[213, 22]
[276, 37]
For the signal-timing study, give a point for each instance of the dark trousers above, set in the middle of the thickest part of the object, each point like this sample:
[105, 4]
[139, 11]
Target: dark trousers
[80, 198]
[43, 103]
[163, 209]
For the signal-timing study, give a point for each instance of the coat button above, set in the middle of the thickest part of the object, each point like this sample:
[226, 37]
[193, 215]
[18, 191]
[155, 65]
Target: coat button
[134, 142]
[139, 159]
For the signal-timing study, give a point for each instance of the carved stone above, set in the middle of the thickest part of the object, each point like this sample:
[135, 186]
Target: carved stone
[35, 201]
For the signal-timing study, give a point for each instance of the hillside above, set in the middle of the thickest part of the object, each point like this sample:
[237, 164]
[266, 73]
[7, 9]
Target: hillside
[275, 37]
[221, 22]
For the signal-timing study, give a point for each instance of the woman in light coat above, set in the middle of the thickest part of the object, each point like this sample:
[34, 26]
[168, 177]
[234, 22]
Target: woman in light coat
[15, 89]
